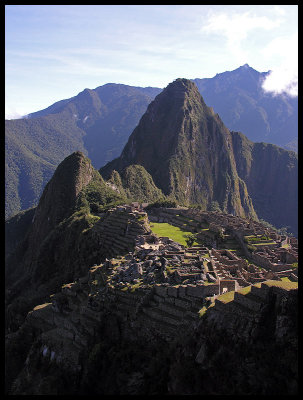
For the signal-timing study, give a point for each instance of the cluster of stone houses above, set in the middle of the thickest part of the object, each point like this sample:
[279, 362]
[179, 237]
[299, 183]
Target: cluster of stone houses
[161, 261]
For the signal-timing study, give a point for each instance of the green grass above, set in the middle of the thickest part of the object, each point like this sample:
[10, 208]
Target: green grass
[282, 284]
[229, 296]
[164, 229]
[264, 243]
[286, 279]
[226, 297]
[258, 240]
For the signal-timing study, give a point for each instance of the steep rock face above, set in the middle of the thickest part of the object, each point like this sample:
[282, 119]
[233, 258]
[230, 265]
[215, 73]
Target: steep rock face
[57, 203]
[271, 176]
[237, 351]
[59, 196]
[187, 150]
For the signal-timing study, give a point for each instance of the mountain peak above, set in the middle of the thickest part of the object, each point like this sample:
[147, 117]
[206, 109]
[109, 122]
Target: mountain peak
[185, 148]
[181, 85]
[59, 196]
[177, 95]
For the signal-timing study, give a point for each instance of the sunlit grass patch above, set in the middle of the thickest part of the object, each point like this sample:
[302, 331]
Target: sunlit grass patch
[173, 232]
[282, 284]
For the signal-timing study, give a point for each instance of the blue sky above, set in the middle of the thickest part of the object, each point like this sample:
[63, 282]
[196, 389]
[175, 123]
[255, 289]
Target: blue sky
[52, 52]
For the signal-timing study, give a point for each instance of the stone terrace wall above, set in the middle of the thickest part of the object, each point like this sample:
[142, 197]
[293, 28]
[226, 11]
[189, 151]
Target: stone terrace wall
[118, 229]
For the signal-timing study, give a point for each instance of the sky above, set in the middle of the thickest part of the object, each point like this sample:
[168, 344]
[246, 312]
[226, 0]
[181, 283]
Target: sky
[53, 52]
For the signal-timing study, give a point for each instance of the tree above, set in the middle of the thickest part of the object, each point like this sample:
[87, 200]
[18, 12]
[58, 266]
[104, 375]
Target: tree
[189, 239]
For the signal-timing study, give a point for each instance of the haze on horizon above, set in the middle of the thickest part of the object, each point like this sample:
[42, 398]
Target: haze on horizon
[53, 52]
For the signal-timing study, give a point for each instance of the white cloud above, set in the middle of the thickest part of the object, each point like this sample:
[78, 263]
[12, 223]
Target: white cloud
[235, 28]
[281, 80]
[242, 29]
[284, 77]
[278, 10]
[11, 113]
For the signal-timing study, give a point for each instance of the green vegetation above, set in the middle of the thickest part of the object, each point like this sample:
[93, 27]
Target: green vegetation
[35, 146]
[214, 206]
[173, 232]
[97, 197]
[162, 203]
[227, 297]
[285, 279]
[181, 164]
[282, 284]
[33, 149]
[284, 230]
[139, 185]
[135, 286]
[256, 239]
[253, 241]
[190, 239]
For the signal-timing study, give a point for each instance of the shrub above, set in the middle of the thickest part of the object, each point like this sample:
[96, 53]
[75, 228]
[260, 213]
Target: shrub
[190, 239]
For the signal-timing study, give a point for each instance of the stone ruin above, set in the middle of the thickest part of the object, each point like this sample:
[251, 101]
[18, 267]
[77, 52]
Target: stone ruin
[159, 284]
[158, 287]
[274, 257]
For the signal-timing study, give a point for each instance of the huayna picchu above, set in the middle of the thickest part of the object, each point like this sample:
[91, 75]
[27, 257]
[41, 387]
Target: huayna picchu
[195, 159]
[98, 302]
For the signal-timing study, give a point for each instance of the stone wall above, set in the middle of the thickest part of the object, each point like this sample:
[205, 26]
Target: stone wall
[118, 229]
[226, 285]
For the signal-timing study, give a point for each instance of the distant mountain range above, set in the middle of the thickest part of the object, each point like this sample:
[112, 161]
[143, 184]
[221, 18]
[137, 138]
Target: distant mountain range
[237, 96]
[99, 122]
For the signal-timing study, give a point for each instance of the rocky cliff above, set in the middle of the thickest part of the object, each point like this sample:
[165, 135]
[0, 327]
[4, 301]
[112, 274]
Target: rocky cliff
[187, 150]
[271, 177]
[92, 338]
